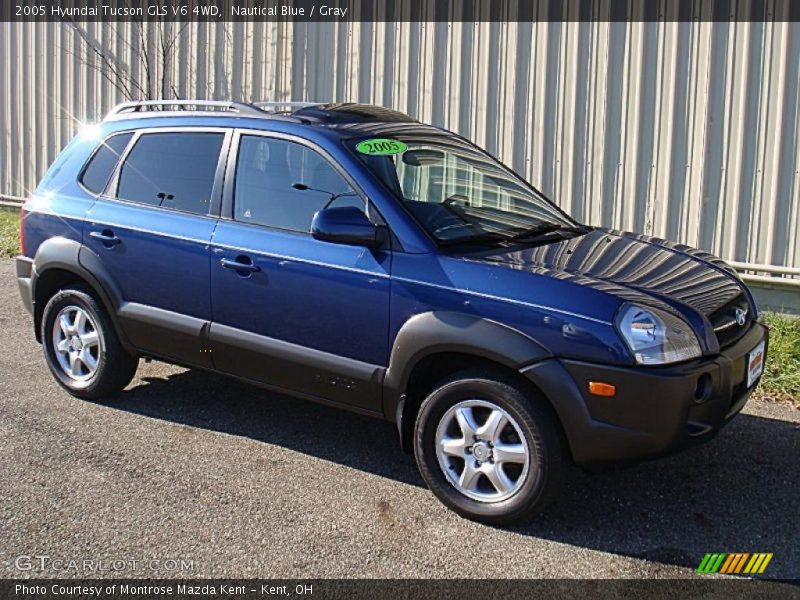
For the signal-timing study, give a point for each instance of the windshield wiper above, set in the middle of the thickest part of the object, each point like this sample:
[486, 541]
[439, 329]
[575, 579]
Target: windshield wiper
[478, 238]
[536, 231]
[543, 229]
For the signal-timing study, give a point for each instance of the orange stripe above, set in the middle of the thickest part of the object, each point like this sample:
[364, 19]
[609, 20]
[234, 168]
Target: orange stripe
[727, 562]
[738, 557]
[741, 562]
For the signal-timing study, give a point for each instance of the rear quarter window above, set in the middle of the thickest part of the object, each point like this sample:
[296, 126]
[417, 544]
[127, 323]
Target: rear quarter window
[96, 175]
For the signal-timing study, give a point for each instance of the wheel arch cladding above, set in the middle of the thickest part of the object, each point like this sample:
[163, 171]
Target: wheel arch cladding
[445, 335]
[62, 262]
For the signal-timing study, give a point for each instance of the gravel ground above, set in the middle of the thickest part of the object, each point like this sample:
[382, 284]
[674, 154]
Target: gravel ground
[244, 483]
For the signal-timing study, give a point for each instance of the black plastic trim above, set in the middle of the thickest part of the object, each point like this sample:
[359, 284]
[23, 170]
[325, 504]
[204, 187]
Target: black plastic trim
[157, 331]
[439, 332]
[24, 270]
[299, 369]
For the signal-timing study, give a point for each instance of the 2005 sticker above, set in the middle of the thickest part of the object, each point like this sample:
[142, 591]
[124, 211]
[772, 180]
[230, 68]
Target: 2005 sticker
[381, 147]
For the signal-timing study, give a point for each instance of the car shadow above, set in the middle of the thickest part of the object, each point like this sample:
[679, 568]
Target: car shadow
[737, 493]
[206, 400]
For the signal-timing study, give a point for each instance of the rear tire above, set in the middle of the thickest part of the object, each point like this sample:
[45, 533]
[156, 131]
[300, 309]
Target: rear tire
[81, 346]
[488, 448]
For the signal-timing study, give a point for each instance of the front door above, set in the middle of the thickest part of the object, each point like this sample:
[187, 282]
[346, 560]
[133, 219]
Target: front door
[299, 314]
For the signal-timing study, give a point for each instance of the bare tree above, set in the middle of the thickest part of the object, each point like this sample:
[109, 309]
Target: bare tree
[143, 70]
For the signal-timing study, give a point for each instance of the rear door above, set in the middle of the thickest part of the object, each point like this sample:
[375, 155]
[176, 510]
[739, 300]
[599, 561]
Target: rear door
[290, 311]
[151, 231]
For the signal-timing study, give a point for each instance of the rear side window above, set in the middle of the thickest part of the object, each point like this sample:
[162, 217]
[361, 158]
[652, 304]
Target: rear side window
[267, 172]
[98, 172]
[172, 170]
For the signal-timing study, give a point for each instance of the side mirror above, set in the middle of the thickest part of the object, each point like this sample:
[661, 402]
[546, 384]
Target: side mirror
[345, 225]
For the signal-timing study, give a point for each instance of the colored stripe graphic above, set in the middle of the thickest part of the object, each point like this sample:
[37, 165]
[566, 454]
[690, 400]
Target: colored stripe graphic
[731, 564]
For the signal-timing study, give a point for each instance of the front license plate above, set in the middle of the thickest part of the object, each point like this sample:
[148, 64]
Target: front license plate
[755, 364]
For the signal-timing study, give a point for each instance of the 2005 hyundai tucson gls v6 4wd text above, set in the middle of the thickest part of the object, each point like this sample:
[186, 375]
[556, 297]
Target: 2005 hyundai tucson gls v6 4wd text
[351, 255]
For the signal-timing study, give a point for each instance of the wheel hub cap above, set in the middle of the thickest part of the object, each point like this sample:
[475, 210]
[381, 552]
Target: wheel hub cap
[482, 452]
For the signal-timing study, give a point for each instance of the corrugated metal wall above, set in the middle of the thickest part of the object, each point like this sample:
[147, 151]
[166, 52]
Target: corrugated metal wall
[683, 130]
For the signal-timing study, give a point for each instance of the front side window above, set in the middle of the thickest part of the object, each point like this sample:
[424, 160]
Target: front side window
[98, 172]
[172, 170]
[282, 184]
[458, 193]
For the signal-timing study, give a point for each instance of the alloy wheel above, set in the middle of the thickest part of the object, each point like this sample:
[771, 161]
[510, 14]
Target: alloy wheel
[482, 451]
[76, 342]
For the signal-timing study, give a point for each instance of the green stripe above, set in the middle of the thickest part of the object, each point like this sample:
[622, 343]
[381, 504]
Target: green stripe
[711, 563]
[702, 567]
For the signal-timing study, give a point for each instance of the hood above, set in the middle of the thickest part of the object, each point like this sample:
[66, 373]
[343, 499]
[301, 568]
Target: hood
[634, 267]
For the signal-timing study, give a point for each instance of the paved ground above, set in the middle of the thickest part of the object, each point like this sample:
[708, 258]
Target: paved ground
[188, 465]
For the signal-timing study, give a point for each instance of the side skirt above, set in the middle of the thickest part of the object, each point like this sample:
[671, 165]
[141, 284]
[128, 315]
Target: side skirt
[270, 363]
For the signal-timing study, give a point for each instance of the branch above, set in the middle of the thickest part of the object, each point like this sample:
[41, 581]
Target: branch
[144, 57]
[112, 71]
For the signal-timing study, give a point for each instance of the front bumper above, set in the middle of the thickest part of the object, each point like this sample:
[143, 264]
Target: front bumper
[656, 410]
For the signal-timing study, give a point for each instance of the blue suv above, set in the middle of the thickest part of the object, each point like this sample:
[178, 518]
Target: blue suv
[350, 255]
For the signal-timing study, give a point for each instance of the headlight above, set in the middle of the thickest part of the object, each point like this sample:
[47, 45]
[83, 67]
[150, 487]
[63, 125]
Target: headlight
[656, 337]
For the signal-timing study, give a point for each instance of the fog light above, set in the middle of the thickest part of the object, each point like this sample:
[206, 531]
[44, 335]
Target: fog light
[598, 388]
[703, 390]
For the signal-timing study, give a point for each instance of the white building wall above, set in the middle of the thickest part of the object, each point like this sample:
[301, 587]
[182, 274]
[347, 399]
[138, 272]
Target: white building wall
[683, 130]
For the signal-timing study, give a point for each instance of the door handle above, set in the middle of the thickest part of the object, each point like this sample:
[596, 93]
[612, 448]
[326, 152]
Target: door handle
[106, 236]
[236, 265]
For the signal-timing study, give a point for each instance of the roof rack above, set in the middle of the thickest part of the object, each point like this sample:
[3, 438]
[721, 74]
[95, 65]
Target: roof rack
[140, 106]
[296, 112]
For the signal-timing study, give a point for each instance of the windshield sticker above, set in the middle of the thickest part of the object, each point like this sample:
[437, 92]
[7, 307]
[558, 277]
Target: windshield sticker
[381, 147]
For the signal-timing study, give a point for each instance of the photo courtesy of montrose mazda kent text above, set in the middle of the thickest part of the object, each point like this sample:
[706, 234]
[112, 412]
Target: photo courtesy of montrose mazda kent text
[350, 255]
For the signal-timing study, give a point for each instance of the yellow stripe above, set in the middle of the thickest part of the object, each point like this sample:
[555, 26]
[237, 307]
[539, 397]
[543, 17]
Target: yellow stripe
[741, 562]
[759, 560]
[751, 563]
[765, 563]
[727, 562]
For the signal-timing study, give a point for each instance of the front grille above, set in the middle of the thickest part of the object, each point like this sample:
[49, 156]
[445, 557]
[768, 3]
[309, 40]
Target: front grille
[728, 323]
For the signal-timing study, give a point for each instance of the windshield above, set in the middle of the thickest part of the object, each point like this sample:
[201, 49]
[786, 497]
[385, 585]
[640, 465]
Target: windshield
[456, 192]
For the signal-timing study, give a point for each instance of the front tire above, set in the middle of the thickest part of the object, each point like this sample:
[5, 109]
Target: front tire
[487, 449]
[81, 347]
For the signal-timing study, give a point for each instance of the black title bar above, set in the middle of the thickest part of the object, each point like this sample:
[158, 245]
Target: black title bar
[401, 10]
[407, 589]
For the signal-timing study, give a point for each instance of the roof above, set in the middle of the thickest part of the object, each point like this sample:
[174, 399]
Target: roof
[350, 112]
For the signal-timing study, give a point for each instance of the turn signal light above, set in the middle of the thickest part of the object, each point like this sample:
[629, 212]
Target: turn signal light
[598, 388]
